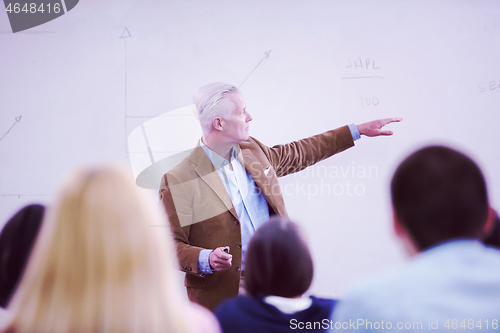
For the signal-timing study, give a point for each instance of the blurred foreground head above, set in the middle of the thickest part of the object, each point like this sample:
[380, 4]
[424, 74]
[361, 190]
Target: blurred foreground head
[439, 194]
[101, 263]
[16, 242]
[278, 260]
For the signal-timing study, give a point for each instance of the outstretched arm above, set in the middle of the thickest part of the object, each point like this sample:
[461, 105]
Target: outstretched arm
[374, 128]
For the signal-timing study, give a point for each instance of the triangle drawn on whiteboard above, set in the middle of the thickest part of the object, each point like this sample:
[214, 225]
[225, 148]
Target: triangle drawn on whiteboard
[126, 33]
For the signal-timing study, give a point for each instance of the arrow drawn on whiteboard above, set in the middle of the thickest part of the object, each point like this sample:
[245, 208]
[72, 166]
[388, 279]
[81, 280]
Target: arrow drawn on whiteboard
[125, 34]
[18, 119]
[266, 55]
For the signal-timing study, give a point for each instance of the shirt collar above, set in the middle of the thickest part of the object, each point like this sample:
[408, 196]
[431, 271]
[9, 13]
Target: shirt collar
[217, 160]
[289, 305]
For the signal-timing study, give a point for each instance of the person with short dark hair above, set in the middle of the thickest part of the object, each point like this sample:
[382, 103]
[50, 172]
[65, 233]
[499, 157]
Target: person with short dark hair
[441, 214]
[439, 194]
[16, 241]
[279, 270]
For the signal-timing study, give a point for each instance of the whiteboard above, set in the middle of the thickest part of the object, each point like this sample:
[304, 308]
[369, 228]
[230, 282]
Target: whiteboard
[75, 90]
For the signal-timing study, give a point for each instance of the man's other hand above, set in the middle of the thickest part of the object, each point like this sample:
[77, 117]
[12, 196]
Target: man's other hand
[374, 128]
[220, 260]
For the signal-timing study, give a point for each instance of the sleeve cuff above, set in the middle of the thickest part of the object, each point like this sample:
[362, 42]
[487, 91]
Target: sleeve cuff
[354, 132]
[203, 264]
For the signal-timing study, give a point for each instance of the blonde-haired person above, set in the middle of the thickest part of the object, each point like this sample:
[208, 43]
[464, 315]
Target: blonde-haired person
[101, 263]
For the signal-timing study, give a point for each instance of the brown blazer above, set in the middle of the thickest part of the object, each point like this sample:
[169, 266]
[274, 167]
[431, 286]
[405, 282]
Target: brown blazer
[201, 213]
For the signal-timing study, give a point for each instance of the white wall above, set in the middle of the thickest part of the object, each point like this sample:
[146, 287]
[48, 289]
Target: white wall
[81, 90]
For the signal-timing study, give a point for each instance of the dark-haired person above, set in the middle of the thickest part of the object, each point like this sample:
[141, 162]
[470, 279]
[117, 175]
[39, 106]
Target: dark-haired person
[279, 270]
[441, 213]
[16, 241]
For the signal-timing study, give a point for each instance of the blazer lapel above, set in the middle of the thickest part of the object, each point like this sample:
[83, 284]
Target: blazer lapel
[256, 170]
[207, 173]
